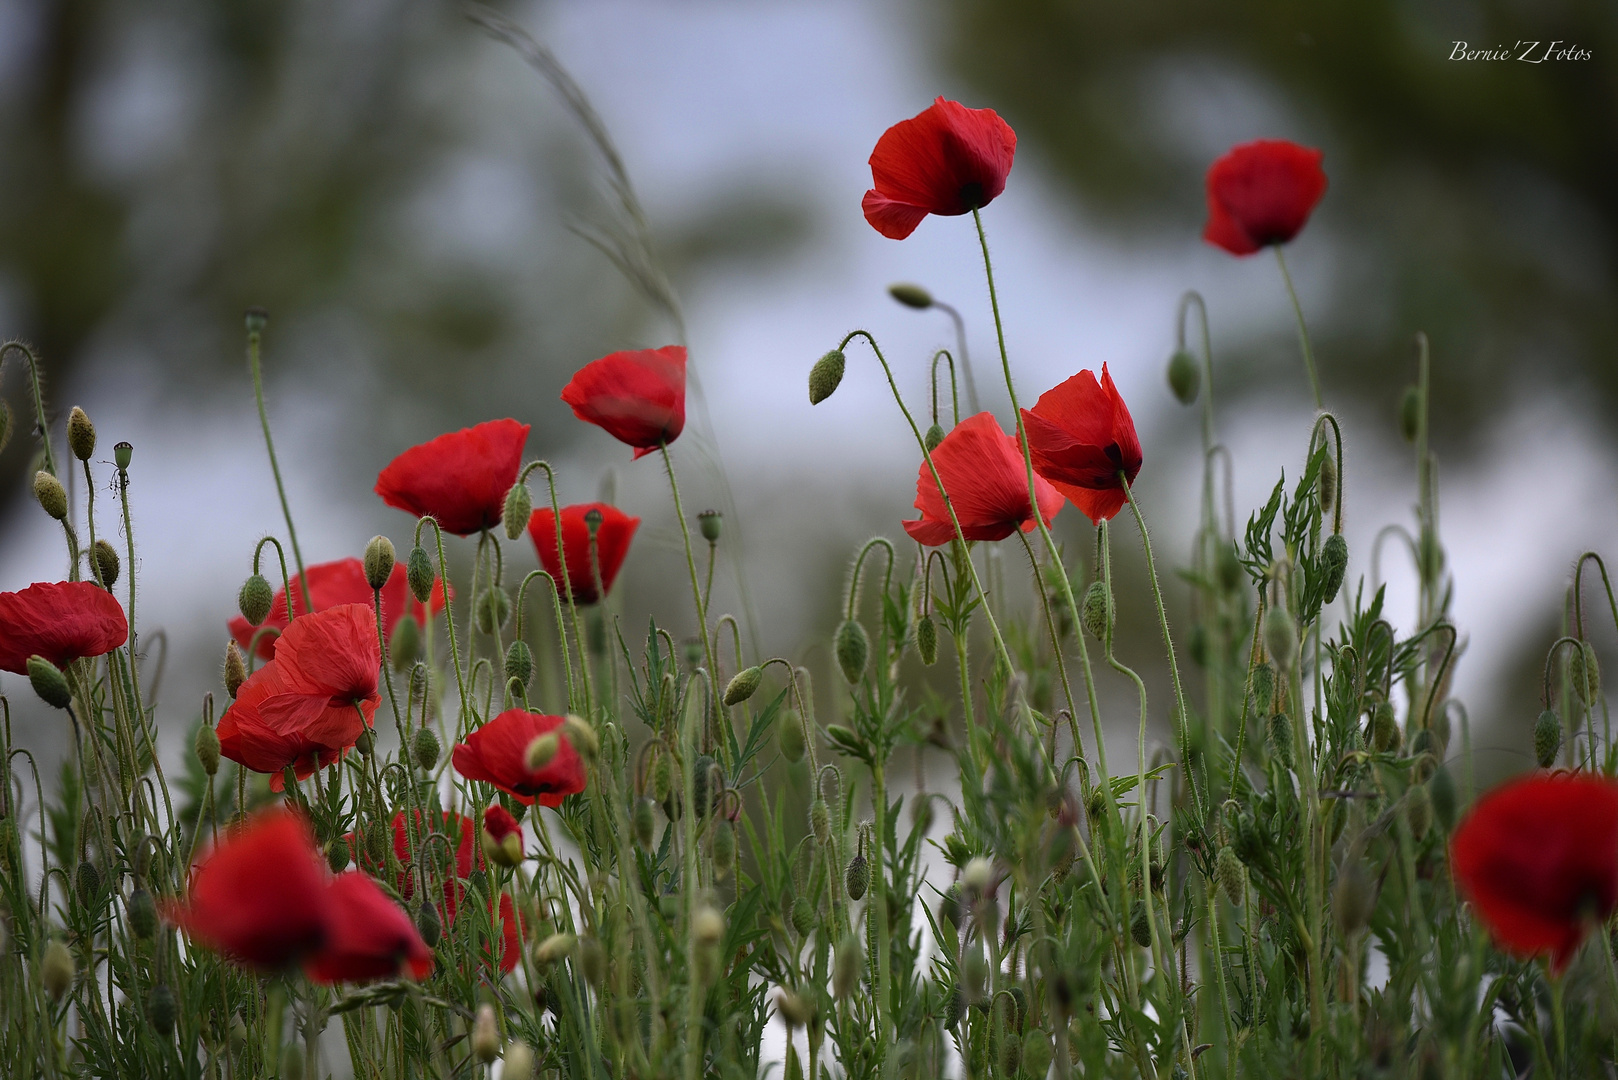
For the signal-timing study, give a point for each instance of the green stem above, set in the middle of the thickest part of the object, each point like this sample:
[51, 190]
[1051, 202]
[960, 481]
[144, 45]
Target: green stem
[253, 338]
[717, 707]
[1303, 328]
[39, 399]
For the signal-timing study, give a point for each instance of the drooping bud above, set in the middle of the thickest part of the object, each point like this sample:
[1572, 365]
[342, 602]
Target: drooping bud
[56, 970]
[1327, 483]
[857, 878]
[404, 644]
[724, 847]
[1441, 790]
[1410, 413]
[161, 1010]
[582, 736]
[122, 453]
[254, 599]
[1280, 637]
[803, 916]
[379, 560]
[105, 559]
[49, 682]
[141, 912]
[51, 494]
[1185, 377]
[853, 650]
[519, 507]
[934, 436]
[81, 434]
[518, 1064]
[1419, 811]
[1353, 897]
[789, 736]
[645, 822]
[911, 295]
[86, 881]
[592, 961]
[1140, 925]
[1585, 674]
[825, 376]
[1547, 738]
[847, 967]
[428, 925]
[1263, 687]
[337, 856]
[554, 948]
[1231, 873]
[419, 573]
[743, 685]
[425, 748]
[365, 742]
[1095, 610]
[663, 776]
[927, 640]
[1385, 734]
[794, 1010]
[1333, 564]
[1036, 1053]
[207, 749]
[1229, 568]
[1280, 738]
[820, 820]
[519, 663]
[712, 525]
[494, 608]
[541, 751]
[235, 668]
[485, 1035]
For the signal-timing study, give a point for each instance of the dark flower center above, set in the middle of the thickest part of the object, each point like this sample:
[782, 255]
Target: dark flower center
[971, 194]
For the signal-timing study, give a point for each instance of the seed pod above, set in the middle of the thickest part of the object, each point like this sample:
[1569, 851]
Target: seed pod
[645, 822]
[1385, 734]
[161, 1010]
[1585, 674]
[1333, 564]
[1095, 611]
[494, 608]
[86, 881]
[1353, 898]
[711, 523]
[1263, 685]
[49, 682]
[485, 1035]
[1419, 811]
[254, 599]
[519, 663]
[122, 453]
[1410, 413]
[820, 820]
[927, 640]
[207, 749]
[825, 376]
[934, 436]
[743, 685]
[1231, 873]
[1229, 568]
[847, 966]
[419, 573]
[724, 847]
[1280, 738]
[519, 507]
[141, 913]
[857, 878]
[518, 1064]
[1280, 637]
[803, 916]
[337, 856]
[1185, 377]
[1328, 484]
[1441, 789]
[428, 925]
[1547, 738]
[378, 562]
[51, 494]
[1140, 925]
[592, 961]
[56, 970]
[425, 748]
[235, 669]
[105, 557]
[853, 649]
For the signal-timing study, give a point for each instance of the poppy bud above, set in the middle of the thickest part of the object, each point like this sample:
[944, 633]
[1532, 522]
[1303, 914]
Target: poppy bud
[794, 1010]
[86, 881]
[256, 319]
[1410, 413]
[789, 736]
[419, 573]
[846, 967]
[554, 948]
[1418, 811]
[365, 743]
[519, 507]
[519, 663]
[1328, 484]
[1281, 739]
[105, 558]
[1197, 645]
[1385, 734]
[541, 751]
[378, 562]
[1353, 898]
[724, 847]
[1036, 1054]
[1229, 568]
[933, 437]
[1333, 565]
[857, 878]
[404, 643]
[425, 748]
[803, 916]
[921, 815]
[1441, 790]
[428, 925]
[663, 776]
[485, 1035]
[5, 424]
[977, 876]
[949, 907]
[584, 738]
[820, 820]
[1585, 674]
[927, 640]
[121, 455]
[494, 608]
[337, 856]
[954, 1007]
[235, 668]
[853, 649]
[1095, 611]
[81, 434]
[141, 913]
[254, 599]
[1140, 925]
[51, 495]
[501, 838]
[518, 1063]
[707, 925]
[645, 822]
[207, 749]
[743, 685]
[825, 375]
[911, 296]
[161, 1009]
[1547, 738]
[49, 682]
[712, 524]
[56, 970]
[1280, 637]
[1231, 873]
[1185, 377]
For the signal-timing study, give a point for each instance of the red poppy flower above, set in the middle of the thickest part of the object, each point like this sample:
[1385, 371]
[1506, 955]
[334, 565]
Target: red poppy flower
[260, 895]
[466, 859]
[368, 936]
[983, 470]
[612, 544]
[334, 583]
[1081, 437]
[312, 700]
[61, 621]
[497, 752]
[947, 160]
[460, 479]
[1262, 193]
[1538, 858]
[636, 397]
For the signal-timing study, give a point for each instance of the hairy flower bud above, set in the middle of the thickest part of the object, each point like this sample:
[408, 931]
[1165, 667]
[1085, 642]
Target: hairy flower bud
[86, 881]
[857, 878]
[519, 663]
[235, 668]
[81, 434]
[485, 1035]
[207, 749]
[365, 742]
[911, 295]
[554, 948]
[1547, 738]
[518, 1064]
[1327, 484]
[794, 1010]
[1333, 564]
[1385, 734]
[379, 560]
[1140, 924]
[1280, 637]
[583, 737]
[1263, 687]
[707, 925]
[1410, 413]
[712, 525]
[825, 376]
[934, 436]
[1228, 568]
[337, 856]
[494, 608]
[254, 599]
[1185, 377]
[161, 1010]
[1280, 739]
[644, 822]
[1441, 790]
[592, 961]
[820, 820]
[847, 966]
[519, 507]
[853, 650]
[404, 644]
[541, 751]
[743, 685]
[425, 748]
[428, 925]
[56, 970]
[1353, 897]
[104, 558]
[927, 640]
[724, 847]
[803, 916]
[789, 736]
[1096, 610]
[419, 573]
[1585, 674]
[49, 682]
[51, 494]
[1419, 810]
[141, 912]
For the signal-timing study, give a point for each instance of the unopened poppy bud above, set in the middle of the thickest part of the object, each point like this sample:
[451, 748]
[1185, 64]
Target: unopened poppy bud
[644, 822]
[1036, 1053]
[1185, 377]
[663, 776]
[425, 748]
[404, 644]
[518, 1064]
[501, 837]
[365, 743]
[1280, 637]
[122, 453]
[1410, 413]
[494, 607]
[428, 925]
[789, 736]
[820, 820]
[1441, 789]
[254, 599]
[1585, 674]
[1280, 738]
[161, 1009]
[518, 508]
[707, 925]
[803, 916]
[977, 876]
[927, 640]
[1353, 897]
[1547, 738]
[1419, 811]
[1197, 645]
[86, 881]
[1328, 484]
[207, 749]
[1385, 735]
[104, 557]
[554, 948]
[857, 878]
[1229, 568]
[419, 573]
[541, 751]
[853, 649]
[1262, 684]
[485, 1035]
[724, 847]
[583, 736]
[378, 562]
[794, 1010]
[56, 970]
[911, 296]
[846, 967]
[934, 436]
[1095, 610]
[1140, 924]
[1231, 873]
[337, 857]
[1333, 565]
[825, 376]
[235, 668]
[256, 319]
[51, 494]
[712, 525]
[743, 685]
[81, 434]
[519, 663]
[376, 845]
[141, 912]
[49, 682]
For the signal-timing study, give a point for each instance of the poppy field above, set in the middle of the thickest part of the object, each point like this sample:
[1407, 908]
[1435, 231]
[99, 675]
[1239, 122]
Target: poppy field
[432, 824]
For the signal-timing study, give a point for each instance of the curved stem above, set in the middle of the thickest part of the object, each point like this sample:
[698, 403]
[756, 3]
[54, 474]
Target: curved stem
[1303, 328]
[1056, 644]
[716, 708]
[966, 364]
[39, 399]
[254, 336]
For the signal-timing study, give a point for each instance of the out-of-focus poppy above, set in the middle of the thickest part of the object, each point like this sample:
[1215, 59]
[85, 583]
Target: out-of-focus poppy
[987, 480]
[466, 858]
[637, 397]
[947, 160]
[459, 479]
[1262, 193]
[1080, 436]
[612, 539]
[62, 621]
[368, 936]
[497, 753]
[334, 583]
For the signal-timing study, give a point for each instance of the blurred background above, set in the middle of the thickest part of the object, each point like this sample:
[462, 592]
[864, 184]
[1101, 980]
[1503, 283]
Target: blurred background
[407, 198]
